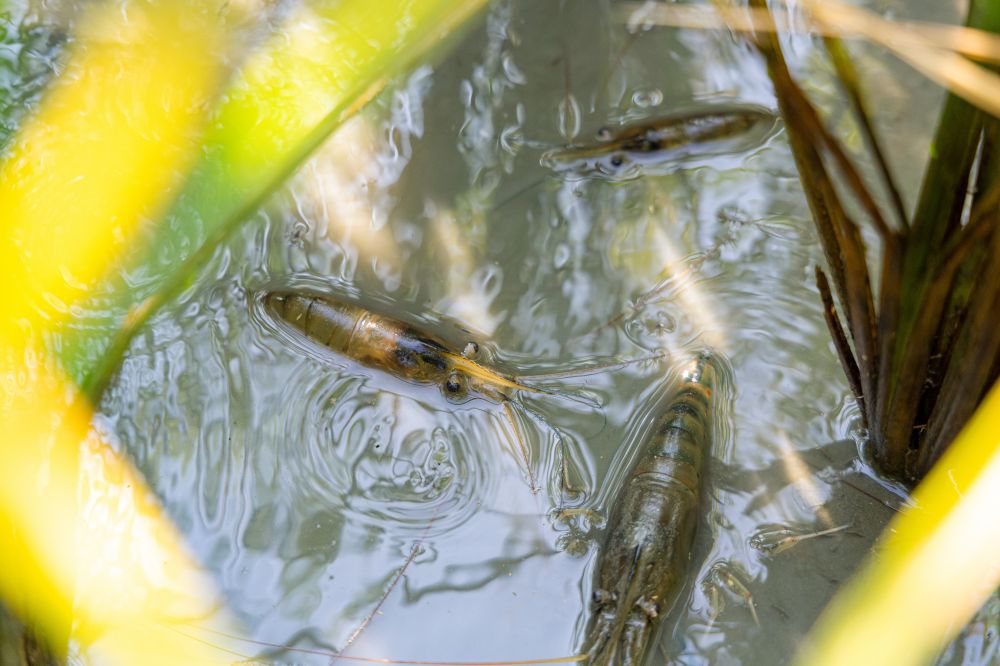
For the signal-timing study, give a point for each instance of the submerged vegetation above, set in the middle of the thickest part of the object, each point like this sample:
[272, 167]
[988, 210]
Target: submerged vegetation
[916, 337]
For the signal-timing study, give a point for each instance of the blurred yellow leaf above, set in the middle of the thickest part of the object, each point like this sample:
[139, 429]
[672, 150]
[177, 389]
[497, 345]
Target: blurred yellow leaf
[82, 542]
[112, 140]
[938, 563]
[327, 59]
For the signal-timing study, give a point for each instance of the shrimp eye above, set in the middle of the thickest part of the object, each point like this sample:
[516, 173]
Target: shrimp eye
[453, 385]
[603, 134]
[617, 160]
[601, 597]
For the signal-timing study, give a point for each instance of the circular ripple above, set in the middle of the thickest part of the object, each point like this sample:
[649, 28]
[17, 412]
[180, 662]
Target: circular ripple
[387, 461]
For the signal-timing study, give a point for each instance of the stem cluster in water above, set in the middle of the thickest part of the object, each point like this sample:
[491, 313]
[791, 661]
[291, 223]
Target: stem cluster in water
[921, 353]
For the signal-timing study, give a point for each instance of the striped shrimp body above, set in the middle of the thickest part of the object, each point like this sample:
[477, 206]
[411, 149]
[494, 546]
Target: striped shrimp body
[651, 529]
[390, 345]
[679, 135]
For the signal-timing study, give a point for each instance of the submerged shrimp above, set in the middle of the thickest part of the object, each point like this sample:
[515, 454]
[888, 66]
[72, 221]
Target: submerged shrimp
[387, 344]
[620, 152]
[726, 579]
[647, 545]
[772, 540]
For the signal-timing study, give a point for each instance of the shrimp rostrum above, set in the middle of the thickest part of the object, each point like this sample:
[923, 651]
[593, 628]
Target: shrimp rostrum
[647, 546]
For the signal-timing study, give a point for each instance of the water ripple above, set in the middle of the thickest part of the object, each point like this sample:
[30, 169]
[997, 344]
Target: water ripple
[385, 459]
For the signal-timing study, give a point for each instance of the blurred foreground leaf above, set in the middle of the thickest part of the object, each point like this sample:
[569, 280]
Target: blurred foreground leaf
[83, 543]
[916, 592]
[327, 61]
[81, 540]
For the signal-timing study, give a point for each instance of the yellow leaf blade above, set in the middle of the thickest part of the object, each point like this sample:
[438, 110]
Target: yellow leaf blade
[938, 564]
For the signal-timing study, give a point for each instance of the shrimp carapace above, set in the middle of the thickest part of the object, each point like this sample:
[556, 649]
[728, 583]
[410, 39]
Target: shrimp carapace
[646, 551]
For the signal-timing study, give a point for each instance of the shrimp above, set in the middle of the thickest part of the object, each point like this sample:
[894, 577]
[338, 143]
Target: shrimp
[647, 545]
[381, 342]
[683, 134]
[387, 344]
[772, 540]
[725, 578]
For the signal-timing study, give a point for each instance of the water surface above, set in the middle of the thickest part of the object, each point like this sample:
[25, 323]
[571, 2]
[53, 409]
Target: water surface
[306, 483]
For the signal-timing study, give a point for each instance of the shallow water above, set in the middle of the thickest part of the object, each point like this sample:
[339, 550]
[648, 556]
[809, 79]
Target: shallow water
[306, 482]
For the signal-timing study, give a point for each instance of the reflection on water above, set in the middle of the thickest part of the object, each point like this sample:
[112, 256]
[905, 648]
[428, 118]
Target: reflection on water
[29, 50]
[318, 490]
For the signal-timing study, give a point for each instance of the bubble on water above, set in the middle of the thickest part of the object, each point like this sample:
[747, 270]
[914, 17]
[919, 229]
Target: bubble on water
[569, 117]
[661, 323]
[645, 98]
[511, 138]
[297, 233]
[561, 256]
[489, 279]
[512, 71]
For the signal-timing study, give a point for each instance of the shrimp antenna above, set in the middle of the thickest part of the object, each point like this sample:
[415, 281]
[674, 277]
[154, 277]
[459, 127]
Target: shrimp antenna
[576, 396]
[594, 369]
[373, 660]
[547, 426]
[481, 372]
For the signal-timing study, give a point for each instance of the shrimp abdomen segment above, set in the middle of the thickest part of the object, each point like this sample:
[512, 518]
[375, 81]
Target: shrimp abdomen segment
[327, 323]
[369, 338]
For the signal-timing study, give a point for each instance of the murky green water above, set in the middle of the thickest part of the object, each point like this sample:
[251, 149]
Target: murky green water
[306, 483]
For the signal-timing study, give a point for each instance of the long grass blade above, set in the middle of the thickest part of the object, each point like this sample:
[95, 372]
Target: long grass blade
[928, 49]
[970, 42]
[82, 542]
[971, 374]
[840, 237]
[962, 77]
[982, 221]
[890, 291]
[928, 274]
[813, 125]
[843, 347]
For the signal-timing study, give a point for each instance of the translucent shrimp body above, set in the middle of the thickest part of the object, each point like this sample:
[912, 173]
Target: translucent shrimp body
[387, 344]
[648, 541]
[622, 152]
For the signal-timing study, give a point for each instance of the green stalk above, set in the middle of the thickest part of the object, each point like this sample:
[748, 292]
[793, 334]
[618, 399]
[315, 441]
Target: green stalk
[923, 302]
[839, 235]
[970, 347]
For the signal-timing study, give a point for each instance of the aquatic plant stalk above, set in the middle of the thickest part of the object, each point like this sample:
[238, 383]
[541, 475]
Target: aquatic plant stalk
[899, 351]
[936, 354]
